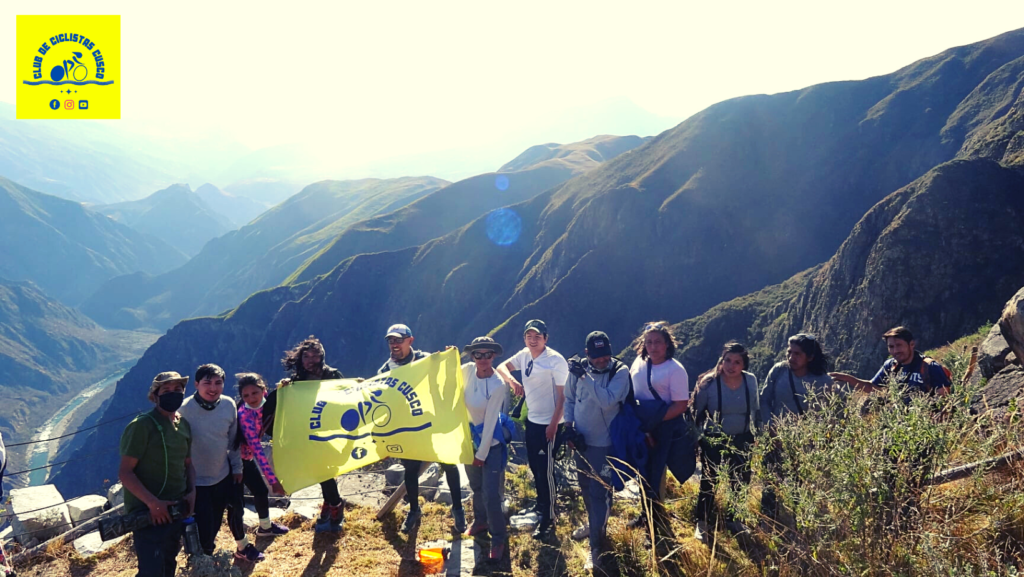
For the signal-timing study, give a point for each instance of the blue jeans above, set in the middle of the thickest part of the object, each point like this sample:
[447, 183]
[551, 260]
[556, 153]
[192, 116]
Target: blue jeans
[157, 548]
[488, 485]
[597, 496]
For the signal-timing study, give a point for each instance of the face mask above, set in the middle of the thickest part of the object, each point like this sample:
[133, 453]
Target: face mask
[262, 401]
[171, 401]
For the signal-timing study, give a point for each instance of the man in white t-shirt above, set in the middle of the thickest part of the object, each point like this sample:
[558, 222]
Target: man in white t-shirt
[545, 372]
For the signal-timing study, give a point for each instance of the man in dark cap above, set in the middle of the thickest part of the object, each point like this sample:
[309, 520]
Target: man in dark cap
[596, 387]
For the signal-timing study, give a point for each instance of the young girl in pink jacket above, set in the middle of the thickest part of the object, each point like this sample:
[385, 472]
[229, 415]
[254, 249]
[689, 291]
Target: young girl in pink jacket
[253, 391]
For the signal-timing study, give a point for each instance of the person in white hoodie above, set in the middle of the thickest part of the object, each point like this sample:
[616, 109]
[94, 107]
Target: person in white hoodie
[486, 396]
[594, 393]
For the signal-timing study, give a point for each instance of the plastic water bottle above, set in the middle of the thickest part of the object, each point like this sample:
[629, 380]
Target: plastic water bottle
[192, 546]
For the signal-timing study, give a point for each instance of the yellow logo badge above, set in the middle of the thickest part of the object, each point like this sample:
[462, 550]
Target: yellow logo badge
[69, 67]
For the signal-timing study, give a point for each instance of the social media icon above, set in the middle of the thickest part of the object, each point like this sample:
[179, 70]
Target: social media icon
[54, 104]
[69, 105]
[83, 104]
[394, 448]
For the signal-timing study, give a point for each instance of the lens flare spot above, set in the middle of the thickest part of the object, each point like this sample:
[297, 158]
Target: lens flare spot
[501, 182]
[504, 226]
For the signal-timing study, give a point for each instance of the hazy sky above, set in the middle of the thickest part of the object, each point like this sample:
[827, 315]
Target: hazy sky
[369, 80]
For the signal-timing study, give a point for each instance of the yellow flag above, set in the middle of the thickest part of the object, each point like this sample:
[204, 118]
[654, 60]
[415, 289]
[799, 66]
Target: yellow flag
[325, 428]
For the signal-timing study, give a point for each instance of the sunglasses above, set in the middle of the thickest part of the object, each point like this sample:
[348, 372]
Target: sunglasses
[529, 368]
[478, 355]
[396, 340]
[654, 327]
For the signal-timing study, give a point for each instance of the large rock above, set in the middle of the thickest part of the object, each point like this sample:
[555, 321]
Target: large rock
[1000, 390]
[84, 508]
[115, 494]
[1011, 324]
[992, 353]
[39, 514]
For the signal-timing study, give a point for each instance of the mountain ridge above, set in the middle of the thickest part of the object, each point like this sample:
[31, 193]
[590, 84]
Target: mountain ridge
[68, 250]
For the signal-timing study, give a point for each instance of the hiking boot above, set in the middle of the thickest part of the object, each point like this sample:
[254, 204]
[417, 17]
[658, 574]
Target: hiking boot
[581, 532]
[497, 552]
[459, 515]
[477, 528]
[701, 532]
[337, 517]
[639, 521]
[412, 519]
[250, 554]
[737, 528]
[274, 530]
[543, 529]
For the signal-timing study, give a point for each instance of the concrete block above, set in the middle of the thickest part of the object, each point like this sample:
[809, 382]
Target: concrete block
[394, 475]
[115, 494]
[39, 513]
[91, 543]
[84, 508]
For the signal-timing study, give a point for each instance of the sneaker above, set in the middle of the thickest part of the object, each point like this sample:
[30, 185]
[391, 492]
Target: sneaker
[250, 554]
[581, 532]
[412, 519]
[274, 530]
[497, 552]
[701, 532]
[477, 529]
[459, 515]
[589, 564]
[543, 529]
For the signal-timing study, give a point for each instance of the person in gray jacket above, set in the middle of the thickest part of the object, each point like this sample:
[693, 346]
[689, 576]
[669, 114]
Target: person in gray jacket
[795, 386]
[726, 404]
[593, 395]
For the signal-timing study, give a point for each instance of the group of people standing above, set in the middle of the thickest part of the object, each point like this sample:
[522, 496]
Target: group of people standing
[204, 449]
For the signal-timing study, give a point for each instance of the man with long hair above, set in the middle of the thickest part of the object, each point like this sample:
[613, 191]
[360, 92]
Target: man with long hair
[307, 362]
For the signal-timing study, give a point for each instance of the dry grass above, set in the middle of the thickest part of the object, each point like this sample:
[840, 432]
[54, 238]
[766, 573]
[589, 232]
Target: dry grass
[369, 548]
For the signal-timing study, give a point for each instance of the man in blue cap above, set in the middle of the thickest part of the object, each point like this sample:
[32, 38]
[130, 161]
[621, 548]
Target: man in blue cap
[400, 342]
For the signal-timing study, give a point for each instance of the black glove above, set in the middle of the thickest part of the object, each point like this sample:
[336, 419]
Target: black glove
[576, 367]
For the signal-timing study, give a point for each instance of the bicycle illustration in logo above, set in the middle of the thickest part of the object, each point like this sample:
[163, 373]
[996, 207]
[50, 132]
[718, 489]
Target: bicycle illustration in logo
[72, 69]
[374, 410]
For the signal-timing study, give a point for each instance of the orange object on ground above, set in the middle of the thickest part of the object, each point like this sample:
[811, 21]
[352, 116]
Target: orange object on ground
[432, 560]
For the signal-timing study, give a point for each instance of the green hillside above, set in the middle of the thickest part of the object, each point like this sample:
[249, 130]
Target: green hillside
[68, 250]
[175, 215]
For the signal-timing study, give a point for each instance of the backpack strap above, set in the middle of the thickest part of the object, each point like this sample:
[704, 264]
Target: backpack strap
[718, 381]
[746, 395]
[792, 387]
[163, 441]
[650, 368]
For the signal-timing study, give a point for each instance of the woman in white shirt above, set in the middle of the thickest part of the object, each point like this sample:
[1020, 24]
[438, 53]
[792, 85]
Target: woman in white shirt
[486, 393]
[657, 377]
